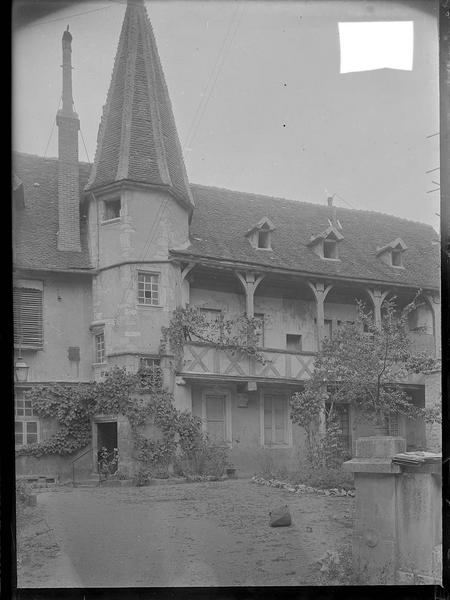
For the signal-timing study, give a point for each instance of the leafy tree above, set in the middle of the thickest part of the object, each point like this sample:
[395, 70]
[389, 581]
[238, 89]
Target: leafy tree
[362, 364]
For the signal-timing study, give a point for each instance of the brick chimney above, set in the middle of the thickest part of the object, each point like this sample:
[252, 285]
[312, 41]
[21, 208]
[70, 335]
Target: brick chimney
[68, 170]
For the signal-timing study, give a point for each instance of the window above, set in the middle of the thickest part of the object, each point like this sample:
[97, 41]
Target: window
[216, 416]
[148, 289]
[148, 362]
[26, 432]
[111, 209]
[330, 249]
[396, 258]
[26, 424]
[293, 342]
[259, 329]
[264, 239]
[27, 316]
[99, 347]
[275, 420]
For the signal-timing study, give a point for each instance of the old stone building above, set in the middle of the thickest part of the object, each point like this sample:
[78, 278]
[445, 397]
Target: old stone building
[104, 253]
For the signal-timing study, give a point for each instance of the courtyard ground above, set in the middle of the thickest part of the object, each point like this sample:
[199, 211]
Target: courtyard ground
[192, 534]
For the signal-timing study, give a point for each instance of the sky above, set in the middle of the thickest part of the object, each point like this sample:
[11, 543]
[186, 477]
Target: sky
[258, 95]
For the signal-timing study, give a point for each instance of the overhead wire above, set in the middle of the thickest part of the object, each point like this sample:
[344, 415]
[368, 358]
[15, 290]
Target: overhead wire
[53, 127]
[214, 74]
[68, 16]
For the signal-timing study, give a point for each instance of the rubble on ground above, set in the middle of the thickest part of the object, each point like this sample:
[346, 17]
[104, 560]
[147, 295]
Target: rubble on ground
[301, 488]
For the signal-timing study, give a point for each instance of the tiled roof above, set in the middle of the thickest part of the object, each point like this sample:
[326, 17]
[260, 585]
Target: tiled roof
[220, 221]
[222, 218]
[35, 226]
[137, 138]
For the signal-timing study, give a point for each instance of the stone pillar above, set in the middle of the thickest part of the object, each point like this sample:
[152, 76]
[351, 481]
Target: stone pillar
[397, 528]
[377, 297]
[250, 282]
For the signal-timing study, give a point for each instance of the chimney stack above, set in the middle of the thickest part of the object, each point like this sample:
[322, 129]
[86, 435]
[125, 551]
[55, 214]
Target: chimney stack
[68, 169]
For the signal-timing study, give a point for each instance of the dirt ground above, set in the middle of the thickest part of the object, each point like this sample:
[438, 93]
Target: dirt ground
[193, 534]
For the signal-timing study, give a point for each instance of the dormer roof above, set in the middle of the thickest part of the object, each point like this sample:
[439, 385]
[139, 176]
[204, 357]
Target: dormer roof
[331, 232]
[397, 244]
[137, 139]
[265, 223]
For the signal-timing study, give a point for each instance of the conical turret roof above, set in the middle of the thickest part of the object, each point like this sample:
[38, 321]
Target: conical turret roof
[137, 139]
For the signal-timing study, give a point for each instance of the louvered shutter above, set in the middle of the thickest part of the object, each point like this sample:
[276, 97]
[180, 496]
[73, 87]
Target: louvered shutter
[27, 306]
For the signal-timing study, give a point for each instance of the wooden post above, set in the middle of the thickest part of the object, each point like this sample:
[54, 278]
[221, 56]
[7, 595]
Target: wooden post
[185, 284]
[435, 306]
[320, 293]
[250, 282]
[377, 297]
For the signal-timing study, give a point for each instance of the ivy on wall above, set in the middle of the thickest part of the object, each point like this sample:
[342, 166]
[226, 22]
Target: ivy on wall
[138, 396]
[237, 335]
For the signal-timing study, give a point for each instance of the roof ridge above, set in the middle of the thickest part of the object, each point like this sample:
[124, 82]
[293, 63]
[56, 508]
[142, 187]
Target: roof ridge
[316, 204]
[49, 158]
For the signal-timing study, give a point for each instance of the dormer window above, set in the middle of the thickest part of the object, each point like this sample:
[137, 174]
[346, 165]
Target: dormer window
[392, 254]
[325, 244]
[396, 256]
[330, 249]
[264, 239]
[260, 236]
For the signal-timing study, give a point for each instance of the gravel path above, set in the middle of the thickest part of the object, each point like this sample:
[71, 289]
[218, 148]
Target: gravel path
[193, 534]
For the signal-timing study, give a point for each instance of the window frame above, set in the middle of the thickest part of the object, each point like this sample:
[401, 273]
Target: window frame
[398, 253]
[228, 441]
[35, 339]
[327, 243]
[288, 424]
[105, 207]
[300, 339]
[24, 420]
[143, 273]
[97, 333]
[264, 234]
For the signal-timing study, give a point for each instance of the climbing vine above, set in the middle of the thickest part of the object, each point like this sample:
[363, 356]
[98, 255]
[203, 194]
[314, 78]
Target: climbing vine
[238, 335]
[140, 397]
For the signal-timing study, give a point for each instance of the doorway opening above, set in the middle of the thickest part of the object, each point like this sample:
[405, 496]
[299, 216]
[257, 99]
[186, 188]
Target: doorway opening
[107, 446]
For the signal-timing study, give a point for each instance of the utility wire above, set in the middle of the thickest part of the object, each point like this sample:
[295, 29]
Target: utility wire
[53, 127]
[214, 75]
[68, 16]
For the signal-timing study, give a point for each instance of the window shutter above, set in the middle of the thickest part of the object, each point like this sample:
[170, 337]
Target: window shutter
[27, 309]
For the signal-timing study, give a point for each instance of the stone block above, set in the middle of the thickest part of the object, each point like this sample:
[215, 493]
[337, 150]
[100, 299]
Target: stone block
[379, 446]
[280, 517]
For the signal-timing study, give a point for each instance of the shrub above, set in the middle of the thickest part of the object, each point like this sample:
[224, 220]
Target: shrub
[206, 458]
[324, 477]
[142, 477]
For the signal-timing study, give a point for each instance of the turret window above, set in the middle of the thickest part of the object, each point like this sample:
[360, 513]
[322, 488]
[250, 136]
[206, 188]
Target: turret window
[111, 209]
[148, 289]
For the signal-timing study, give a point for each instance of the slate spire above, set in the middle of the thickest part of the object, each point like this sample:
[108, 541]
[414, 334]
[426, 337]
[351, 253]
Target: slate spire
[137, 139]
